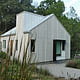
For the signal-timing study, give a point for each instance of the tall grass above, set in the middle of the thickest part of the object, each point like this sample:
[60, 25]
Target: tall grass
[14, 70]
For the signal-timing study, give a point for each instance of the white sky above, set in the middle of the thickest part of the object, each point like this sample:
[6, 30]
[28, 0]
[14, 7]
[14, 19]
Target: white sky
[68, 3]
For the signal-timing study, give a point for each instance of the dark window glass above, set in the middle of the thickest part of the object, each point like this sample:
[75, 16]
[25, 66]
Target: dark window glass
[32, 45]
[63, 45]
[16, 44]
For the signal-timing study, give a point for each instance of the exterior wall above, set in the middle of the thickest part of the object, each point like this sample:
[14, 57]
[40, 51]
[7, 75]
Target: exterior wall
[7, 39]
[24, 42]
[20, 36]
[58, 32]
[24, 45]
[19, 30]
[45, 33]
[25, 21]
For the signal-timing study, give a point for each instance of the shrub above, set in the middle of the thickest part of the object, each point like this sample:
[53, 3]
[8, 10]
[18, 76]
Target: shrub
[71, 63]
[75, 63]
[2, 55]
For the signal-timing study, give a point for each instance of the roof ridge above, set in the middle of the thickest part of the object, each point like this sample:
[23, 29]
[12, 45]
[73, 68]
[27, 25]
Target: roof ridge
[31, 13]
[13, 30]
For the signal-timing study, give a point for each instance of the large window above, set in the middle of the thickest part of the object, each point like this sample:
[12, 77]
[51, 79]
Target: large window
[16, 44]
[58, 48]
[4, 43]
[32, 45]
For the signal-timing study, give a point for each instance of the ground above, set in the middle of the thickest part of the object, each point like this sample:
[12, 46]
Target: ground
[59, 70]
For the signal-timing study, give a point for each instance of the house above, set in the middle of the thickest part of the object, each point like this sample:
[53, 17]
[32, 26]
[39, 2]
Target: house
[52, 39]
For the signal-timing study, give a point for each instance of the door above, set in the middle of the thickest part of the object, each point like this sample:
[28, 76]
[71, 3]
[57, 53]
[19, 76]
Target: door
[54, 50]
[11, 47]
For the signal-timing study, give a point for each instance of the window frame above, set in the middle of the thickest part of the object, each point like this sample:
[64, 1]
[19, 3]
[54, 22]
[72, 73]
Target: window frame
[4, 44]
[32, 44]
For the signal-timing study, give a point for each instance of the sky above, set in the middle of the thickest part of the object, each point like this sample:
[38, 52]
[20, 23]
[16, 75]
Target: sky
[68, 3]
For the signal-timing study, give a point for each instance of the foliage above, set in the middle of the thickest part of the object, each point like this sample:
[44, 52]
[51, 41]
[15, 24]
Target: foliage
[74, 63]
[8, 11]
[70, 20]
[14, 69]
[2, 55]
[51, 6]
[43, 71]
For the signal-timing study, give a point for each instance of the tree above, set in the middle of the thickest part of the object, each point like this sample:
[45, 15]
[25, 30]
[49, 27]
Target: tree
[51, 6]
[8, 11]
[72, 23]
[72, 13]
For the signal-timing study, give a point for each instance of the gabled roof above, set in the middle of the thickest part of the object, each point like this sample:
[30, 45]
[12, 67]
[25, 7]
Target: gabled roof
[32, 23]
[10, 32]
[35, 22]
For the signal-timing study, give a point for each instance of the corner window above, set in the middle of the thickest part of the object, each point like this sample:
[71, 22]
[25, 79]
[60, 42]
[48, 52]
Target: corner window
[58, 48]
[32, 45]
[16, 44]
[4, 43]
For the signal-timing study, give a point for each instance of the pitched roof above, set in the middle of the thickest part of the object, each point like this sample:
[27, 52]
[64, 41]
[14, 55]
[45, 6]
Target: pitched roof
[10, 32]
[32, 20]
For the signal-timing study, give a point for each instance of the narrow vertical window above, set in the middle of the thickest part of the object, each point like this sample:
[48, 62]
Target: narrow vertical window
[4, 43]
[32, 45]
[63, 45]
[16, 44]
[58, 48]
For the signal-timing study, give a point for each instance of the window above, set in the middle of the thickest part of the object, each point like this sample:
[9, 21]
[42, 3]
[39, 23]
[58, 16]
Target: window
[16, 44]
[32, 45]
[4, 43]
[63, 45]
[58, 48]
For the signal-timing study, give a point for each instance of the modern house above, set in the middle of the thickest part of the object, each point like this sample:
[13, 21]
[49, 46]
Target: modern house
[52, 40]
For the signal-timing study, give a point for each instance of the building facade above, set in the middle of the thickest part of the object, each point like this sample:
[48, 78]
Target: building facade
[49, 41]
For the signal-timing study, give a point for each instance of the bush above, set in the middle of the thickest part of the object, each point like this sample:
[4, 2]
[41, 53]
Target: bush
[75, 63]
[72, 64]
[2, 55]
